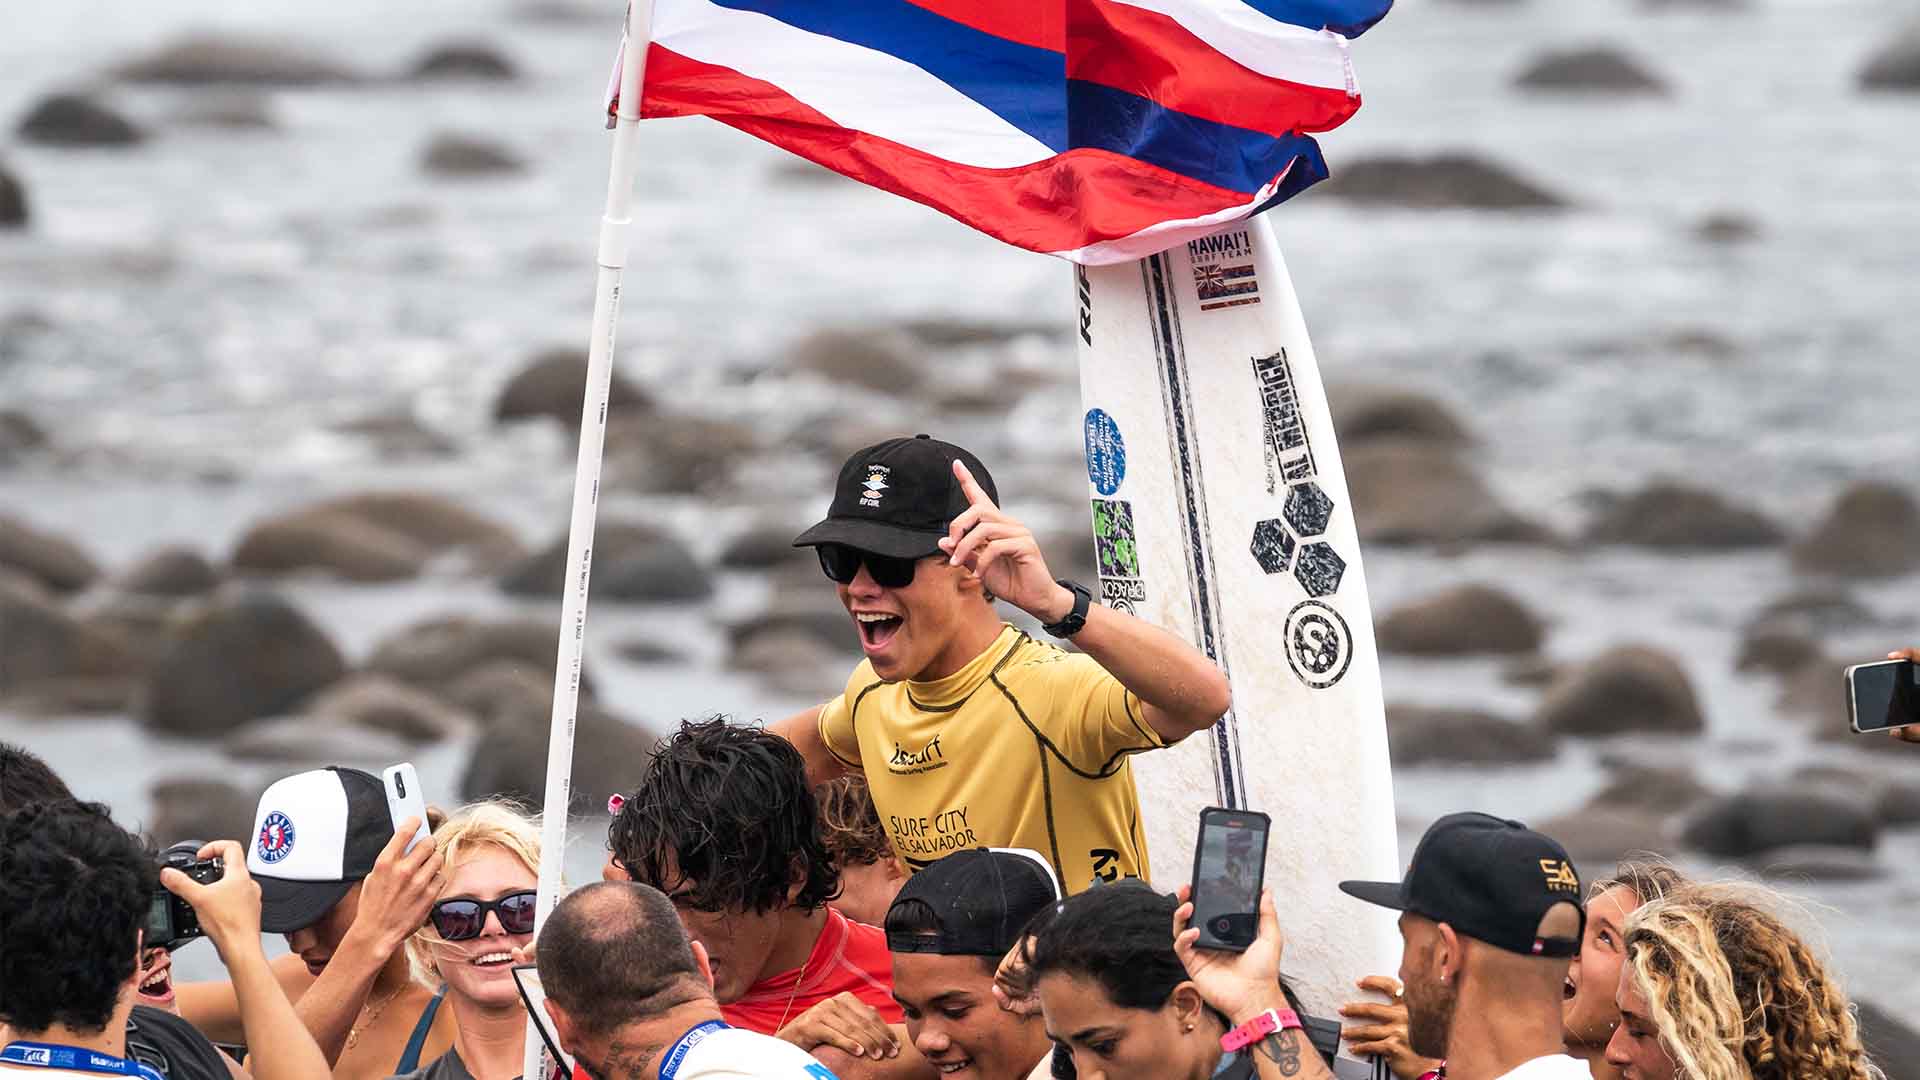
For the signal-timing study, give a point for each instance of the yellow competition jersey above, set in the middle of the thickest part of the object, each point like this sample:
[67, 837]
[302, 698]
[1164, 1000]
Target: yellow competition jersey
[1027, 746]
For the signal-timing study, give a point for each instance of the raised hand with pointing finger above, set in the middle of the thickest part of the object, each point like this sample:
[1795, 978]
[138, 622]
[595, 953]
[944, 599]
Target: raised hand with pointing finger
[1003, 554]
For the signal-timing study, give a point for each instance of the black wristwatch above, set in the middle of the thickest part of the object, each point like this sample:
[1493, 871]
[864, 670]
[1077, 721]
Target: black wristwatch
[1076, 620]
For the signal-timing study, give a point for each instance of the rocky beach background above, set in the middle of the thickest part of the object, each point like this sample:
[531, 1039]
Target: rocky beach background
[1618, 302]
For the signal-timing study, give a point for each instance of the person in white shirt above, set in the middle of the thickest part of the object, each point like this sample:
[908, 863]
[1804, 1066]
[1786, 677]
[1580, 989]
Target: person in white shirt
[1489, 915]
[632, 998]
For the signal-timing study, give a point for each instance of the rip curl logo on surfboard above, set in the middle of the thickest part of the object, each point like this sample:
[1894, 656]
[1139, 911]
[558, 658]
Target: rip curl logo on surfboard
[275, 841]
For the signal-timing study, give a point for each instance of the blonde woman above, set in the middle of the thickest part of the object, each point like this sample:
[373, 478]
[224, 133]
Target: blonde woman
[484, 912]
[1716, 987]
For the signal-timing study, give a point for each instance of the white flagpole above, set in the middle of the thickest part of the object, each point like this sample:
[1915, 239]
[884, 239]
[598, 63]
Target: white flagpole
[612, 259]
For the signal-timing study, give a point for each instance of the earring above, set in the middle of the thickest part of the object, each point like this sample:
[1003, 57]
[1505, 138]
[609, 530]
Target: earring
[1188, 1028]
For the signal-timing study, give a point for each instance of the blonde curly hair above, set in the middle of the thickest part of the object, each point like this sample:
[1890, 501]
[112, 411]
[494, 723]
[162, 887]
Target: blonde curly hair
[494, 823]
[1738, 995]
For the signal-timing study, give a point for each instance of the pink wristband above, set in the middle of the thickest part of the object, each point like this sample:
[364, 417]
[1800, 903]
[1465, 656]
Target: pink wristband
[1259, 1028]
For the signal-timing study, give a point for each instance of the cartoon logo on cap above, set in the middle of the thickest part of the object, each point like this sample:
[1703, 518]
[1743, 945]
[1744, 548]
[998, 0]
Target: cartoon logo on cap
[875, 483]
[276, 838]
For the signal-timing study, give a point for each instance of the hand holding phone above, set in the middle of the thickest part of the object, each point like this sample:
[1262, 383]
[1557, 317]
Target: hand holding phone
[1882, 696]
[405, 800]
[1229, 868]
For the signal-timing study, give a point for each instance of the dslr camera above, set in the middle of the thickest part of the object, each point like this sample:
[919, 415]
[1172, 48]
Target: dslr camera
[171, 921]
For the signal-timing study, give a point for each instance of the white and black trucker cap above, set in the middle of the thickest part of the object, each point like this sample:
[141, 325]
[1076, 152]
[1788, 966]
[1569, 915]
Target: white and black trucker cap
[314, 835]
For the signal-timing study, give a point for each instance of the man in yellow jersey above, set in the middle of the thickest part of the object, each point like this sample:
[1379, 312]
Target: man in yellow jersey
[970, 732]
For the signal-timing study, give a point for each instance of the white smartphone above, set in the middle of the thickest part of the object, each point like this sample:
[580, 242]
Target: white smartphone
[1882, 696]
[404, 799]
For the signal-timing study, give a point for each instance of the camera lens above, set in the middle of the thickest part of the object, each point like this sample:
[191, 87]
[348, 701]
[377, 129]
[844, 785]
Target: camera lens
[1223, 926]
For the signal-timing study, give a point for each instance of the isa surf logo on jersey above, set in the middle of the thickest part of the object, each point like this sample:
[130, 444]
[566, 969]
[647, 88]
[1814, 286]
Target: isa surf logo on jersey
[276, 838]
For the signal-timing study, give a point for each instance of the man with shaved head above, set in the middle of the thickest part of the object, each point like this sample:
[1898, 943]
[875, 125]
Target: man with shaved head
[1489, 913]
[632, 999]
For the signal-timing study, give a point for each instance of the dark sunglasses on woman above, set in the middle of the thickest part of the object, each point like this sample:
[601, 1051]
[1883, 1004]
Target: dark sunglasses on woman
[462, 919]
[842, 564]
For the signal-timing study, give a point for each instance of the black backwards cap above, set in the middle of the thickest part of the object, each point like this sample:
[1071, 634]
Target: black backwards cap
[897, 498]
[1491, 879]
[981, 900]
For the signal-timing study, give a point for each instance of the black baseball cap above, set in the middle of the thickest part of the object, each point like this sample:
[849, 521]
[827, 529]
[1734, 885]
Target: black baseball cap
[981, 898]
[1491, 879]
[897, 498]
[314, 835]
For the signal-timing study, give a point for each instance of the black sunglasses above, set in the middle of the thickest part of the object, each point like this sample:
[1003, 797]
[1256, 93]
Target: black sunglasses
[463, 920]
[842, 564]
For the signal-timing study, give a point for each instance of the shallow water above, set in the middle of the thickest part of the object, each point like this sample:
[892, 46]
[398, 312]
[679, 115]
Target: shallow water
[209, 304]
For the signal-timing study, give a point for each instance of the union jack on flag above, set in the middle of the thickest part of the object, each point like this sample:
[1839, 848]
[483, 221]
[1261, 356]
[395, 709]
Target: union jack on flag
[1096, 130]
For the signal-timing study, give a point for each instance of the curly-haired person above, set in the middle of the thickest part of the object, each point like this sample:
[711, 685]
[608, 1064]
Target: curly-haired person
[76, 890]
[725, 824]
[870, 873]
[1717, 987]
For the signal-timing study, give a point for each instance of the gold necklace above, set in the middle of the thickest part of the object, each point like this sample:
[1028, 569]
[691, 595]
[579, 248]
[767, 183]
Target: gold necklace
[371, 1013]
[794, 993]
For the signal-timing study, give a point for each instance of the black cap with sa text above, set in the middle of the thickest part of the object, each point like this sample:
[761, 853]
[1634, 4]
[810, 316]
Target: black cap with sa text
[1491, 879]
[982, 899]
[897, 498]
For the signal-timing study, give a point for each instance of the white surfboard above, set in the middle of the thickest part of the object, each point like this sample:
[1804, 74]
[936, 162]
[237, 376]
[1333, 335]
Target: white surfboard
[1221, 512]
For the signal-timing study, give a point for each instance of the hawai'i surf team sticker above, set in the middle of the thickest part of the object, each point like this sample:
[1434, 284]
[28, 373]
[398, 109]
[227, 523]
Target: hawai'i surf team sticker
[1318, 644]
[1106, 452]
[1223, 271]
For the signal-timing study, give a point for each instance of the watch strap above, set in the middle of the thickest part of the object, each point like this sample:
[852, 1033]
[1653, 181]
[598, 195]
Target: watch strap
[1075, 620]
[1259, 1028]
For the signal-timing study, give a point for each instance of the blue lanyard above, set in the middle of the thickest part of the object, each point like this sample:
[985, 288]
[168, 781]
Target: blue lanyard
[49, 1056]
[678, 1055]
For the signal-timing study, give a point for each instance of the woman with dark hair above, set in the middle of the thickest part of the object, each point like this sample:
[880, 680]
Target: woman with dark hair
[1128, 994]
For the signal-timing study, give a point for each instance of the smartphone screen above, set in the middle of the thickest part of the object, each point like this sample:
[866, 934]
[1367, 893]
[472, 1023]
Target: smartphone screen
[1229, 866]
[1884, 695]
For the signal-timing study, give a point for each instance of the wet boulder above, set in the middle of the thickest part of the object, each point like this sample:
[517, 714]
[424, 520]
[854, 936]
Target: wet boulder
[20, 435]
[13, 201]
[374, 536]
[464, 61]
[1369, 411]
[794, 662]
[1872, 531]
[822, 617]
[1775, 650]
[1817, 862]
[882, 358]
[436, 654]
[197, 809]
[308, 741]
[76, 120]
[1896, 66]
[44, 643]
[170, 571]
[1765, 818]
[384, 704]
[458, 156]
[237, 656]
[1461, 620]
[552, 386]
[1665, 788]
[398, 434]
[1594, 69]
[1727, 227]
[1627, 688]
[631, 562]
[1893, 1044]
[53, 561]
[1410, 493]
[1815, 612]
[1672, 515]
[764, 544]
[678, 453]
[510, 760]
[1424, 735]
[213, 59]
[1457, 180]
[233, 111]
[1600, 836]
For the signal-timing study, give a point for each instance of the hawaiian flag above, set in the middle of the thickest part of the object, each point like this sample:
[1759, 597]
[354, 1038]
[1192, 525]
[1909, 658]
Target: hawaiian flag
[1096, 130]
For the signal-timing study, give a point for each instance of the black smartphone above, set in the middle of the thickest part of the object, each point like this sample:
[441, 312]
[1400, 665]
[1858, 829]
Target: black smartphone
[1229, 867]
[1882, 696]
